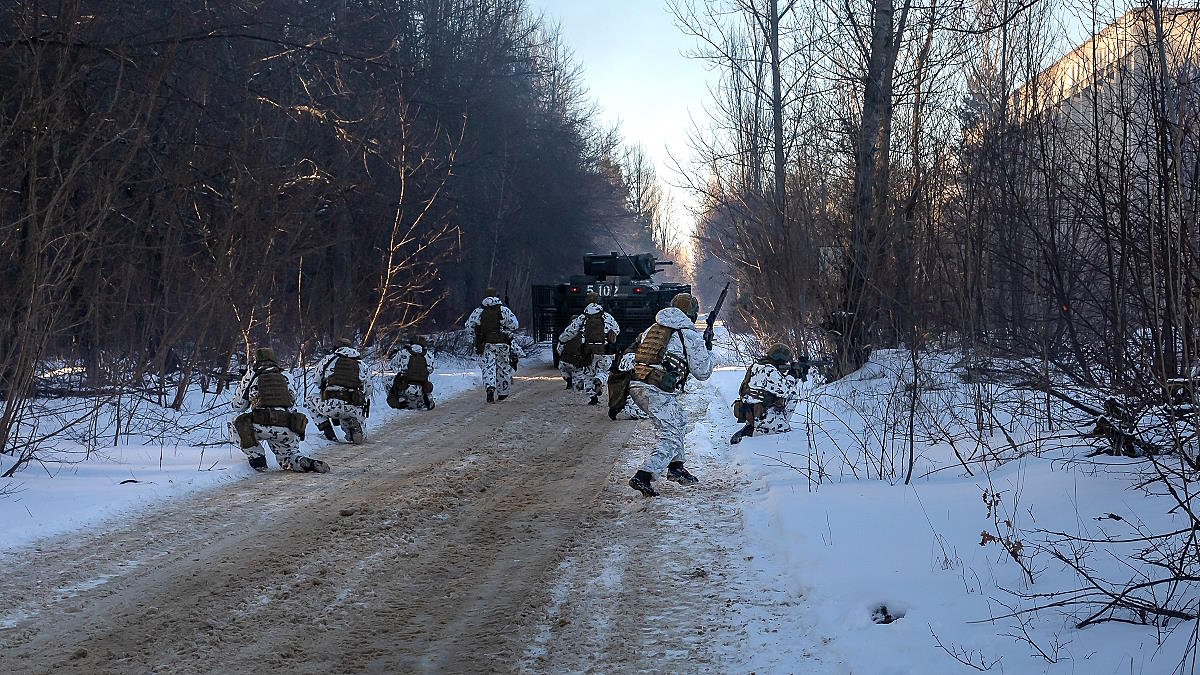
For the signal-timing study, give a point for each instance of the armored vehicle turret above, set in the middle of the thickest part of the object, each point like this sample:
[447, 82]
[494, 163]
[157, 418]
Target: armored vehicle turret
[626, 287]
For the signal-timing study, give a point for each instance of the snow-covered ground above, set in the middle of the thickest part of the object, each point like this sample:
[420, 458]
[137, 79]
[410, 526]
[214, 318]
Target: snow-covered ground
[76, 487]
[802, 552]
[818, 515]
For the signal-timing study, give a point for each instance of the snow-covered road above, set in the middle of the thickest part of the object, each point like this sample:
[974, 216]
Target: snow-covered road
[483, 538]
[672, 584]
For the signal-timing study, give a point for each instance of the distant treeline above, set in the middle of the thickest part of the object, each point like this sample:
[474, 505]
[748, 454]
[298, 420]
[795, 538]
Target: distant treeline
[182, 180]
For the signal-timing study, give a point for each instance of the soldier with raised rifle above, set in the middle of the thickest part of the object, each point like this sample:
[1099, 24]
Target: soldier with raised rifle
[666, 355]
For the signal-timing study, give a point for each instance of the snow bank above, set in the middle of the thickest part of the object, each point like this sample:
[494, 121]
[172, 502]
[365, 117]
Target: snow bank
[169, 456]
[829, 512]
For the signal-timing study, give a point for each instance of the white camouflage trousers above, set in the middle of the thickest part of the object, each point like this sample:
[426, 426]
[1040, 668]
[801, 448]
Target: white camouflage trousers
[282, 441]
[497, 371]
[414, 397]
[632, 411]
[597, 370]
[670, 419]
[349, 417]
[775, 421]
[571, 373]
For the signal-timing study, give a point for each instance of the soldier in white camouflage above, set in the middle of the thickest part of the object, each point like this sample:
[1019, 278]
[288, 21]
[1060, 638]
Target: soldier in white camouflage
[669, 353]
[571, 361]
[411, 388]
[266, 412]
[768, 394]
[494, 327]
[344, 393]
[599, 331]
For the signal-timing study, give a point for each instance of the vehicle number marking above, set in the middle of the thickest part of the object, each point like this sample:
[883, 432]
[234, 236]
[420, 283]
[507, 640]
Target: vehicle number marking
[604, 290]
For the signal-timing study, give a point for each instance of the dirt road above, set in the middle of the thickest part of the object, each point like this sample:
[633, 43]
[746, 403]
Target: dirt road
[420, 551]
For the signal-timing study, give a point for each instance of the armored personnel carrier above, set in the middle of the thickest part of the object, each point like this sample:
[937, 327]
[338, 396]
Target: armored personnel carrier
[626, 286]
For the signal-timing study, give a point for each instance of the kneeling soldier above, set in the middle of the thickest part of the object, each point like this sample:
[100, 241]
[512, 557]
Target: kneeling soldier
[411, 388]
[768, 395]
[345, 393]
[266, 406]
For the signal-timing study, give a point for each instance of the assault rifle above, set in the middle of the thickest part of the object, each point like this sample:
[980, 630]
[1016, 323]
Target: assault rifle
[712, 318]
[799, 368]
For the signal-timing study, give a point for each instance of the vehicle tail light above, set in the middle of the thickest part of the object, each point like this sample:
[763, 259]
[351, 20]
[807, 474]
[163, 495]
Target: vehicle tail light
[574, 289]
[637, 289]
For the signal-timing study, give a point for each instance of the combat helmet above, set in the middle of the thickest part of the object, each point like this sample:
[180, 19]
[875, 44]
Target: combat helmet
[490, 293]
[779, 354]
[264, 356]
[592, 298]
[686, 303]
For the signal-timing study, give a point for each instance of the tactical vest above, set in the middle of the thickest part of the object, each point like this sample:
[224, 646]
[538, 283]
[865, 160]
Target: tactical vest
[345, 374]
[593, 329]
[652, 361]
[489, 326]
[418, 368]
[272, 389]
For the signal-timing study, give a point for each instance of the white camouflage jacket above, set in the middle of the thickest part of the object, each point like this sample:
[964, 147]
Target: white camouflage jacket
[574, 328]
[508, 320]
[399, 362]
[766, 378]
[247, 388]
[699, 359]
[325, 368]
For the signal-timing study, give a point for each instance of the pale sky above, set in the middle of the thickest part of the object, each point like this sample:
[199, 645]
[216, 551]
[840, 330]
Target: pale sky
[634, 65]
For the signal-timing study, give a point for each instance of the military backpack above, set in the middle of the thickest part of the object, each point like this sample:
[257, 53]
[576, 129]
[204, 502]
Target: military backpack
[594, 335]
[418, 368]
[572, 352]
[488, 331]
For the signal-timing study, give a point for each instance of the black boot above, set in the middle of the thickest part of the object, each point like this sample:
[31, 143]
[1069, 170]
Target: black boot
[641, 482]
[569, 383]
[594, 400]
[309, 465]
[491, 394]
[258, 463]
[501, 397]
[326, 428]
[745, 432]
[677, 474]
